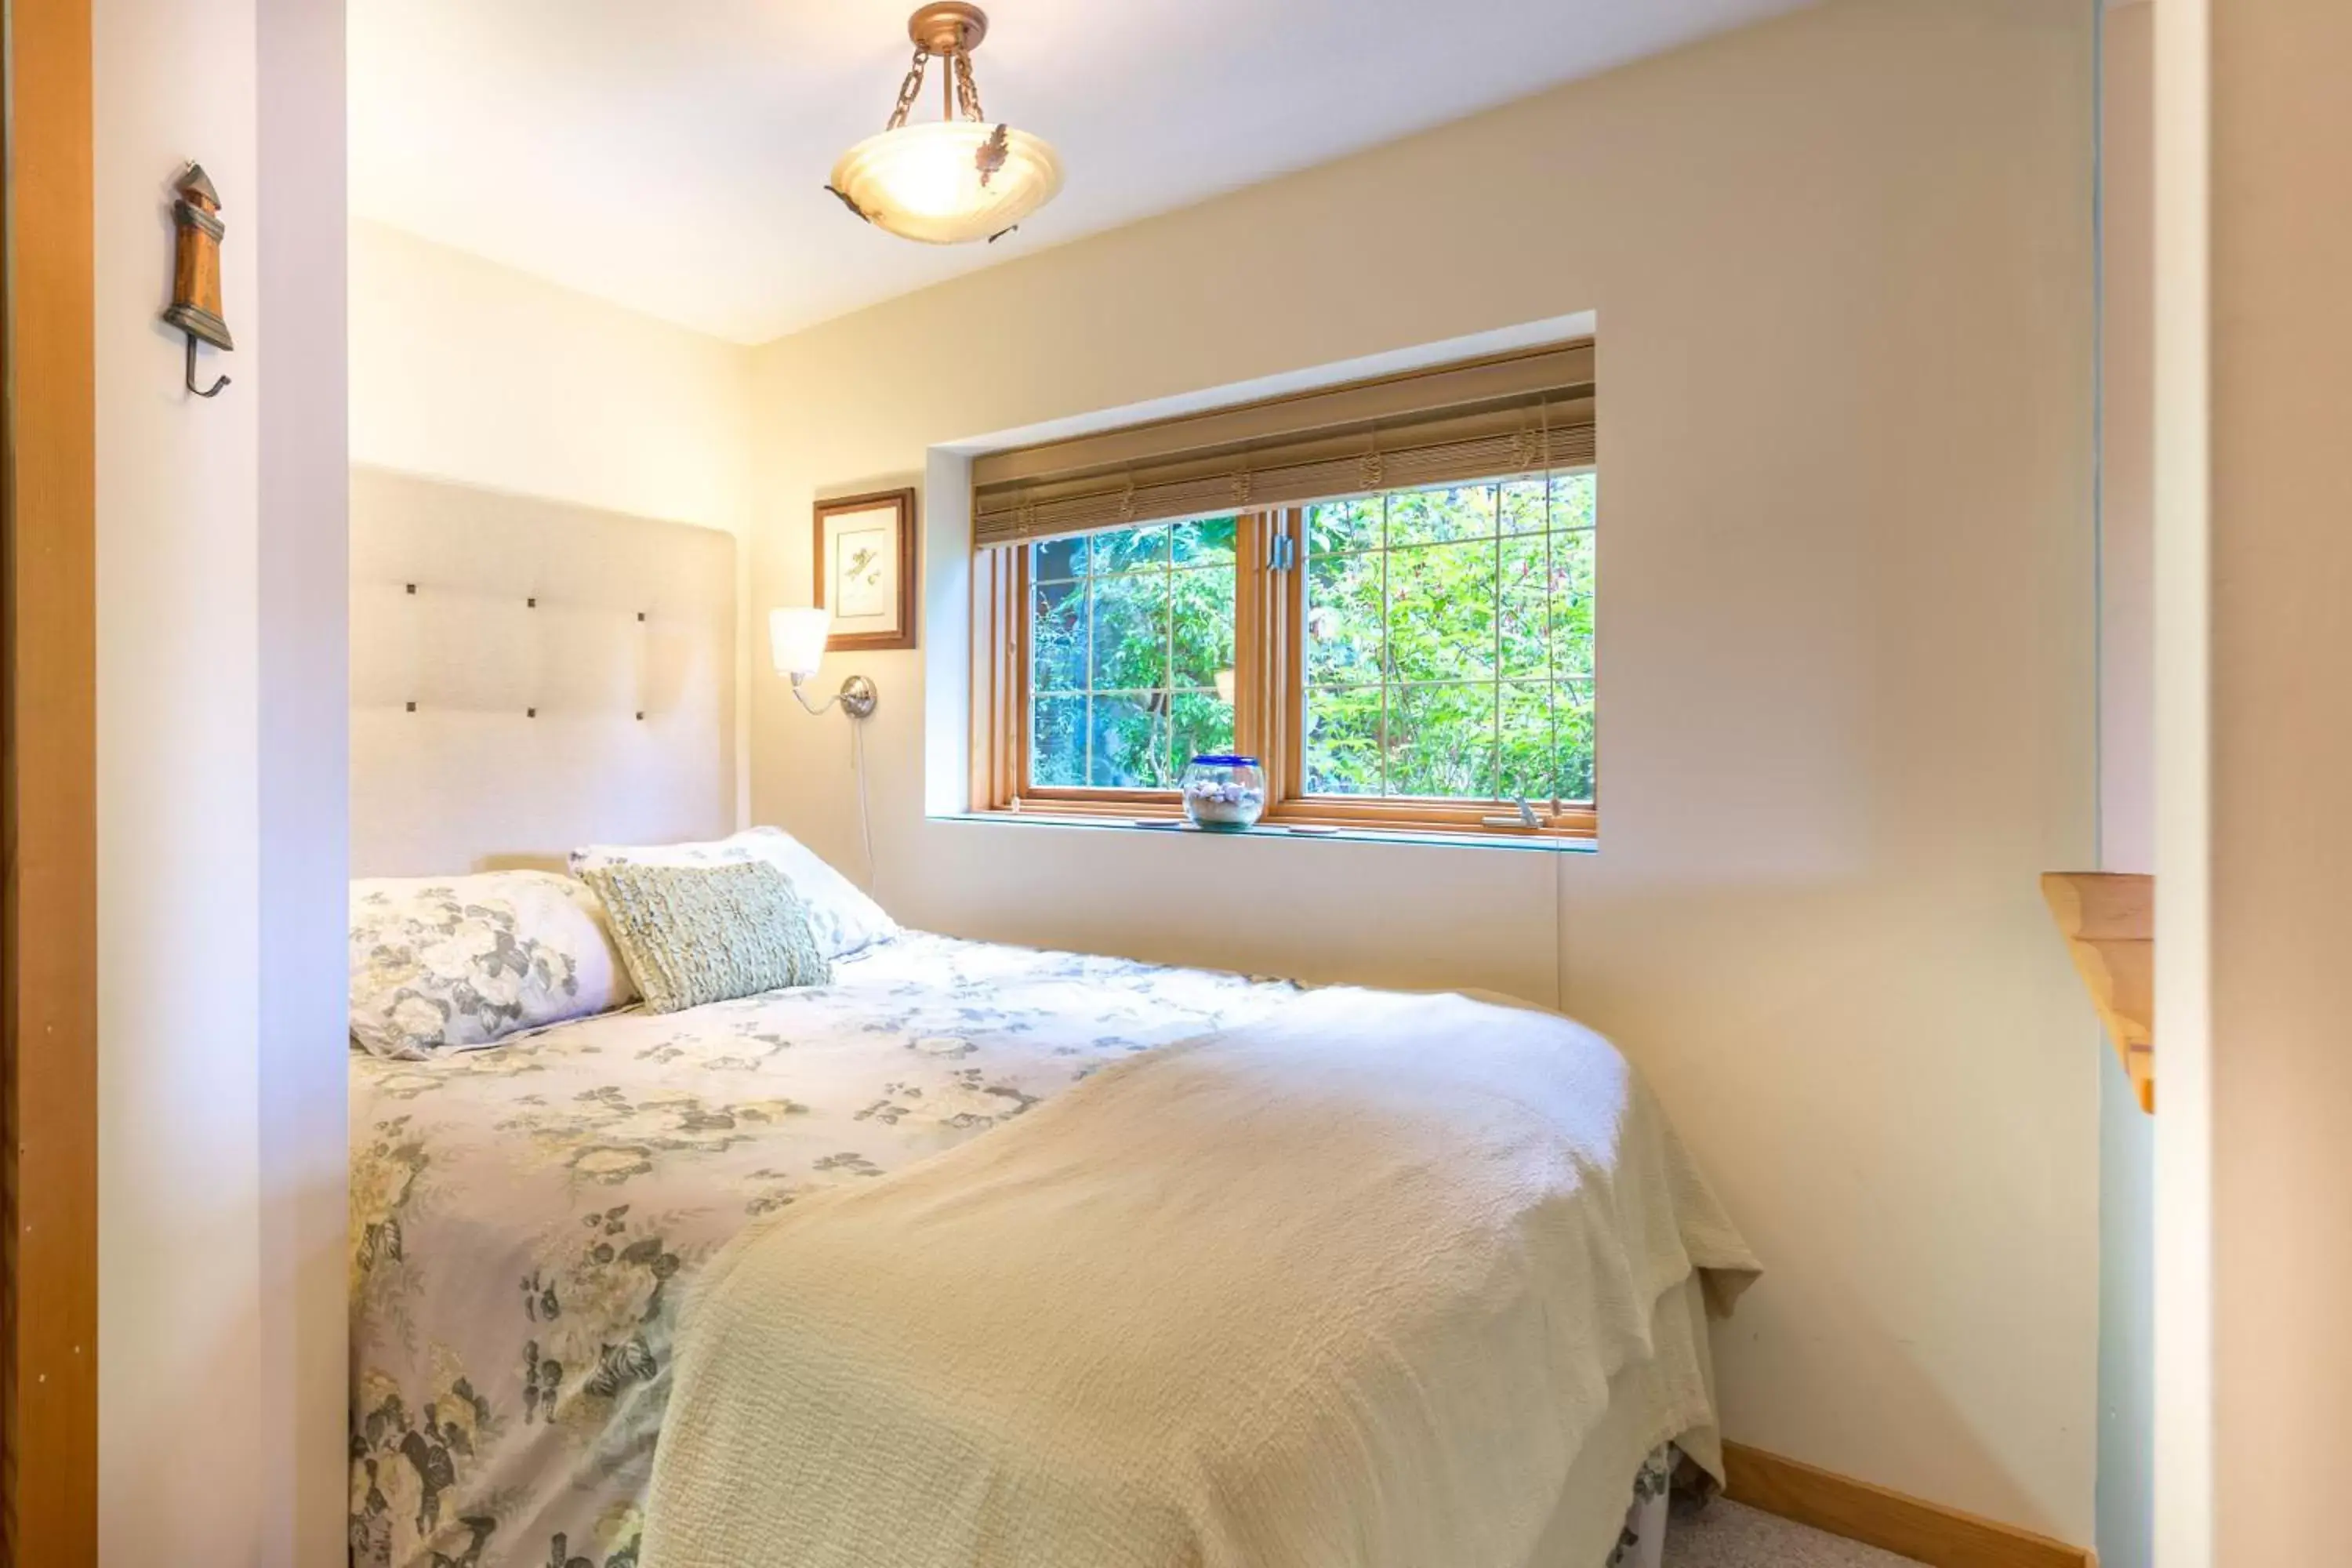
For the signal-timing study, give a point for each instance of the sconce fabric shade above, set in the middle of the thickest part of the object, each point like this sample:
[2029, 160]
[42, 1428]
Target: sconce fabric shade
[796, 640]
[926, 182]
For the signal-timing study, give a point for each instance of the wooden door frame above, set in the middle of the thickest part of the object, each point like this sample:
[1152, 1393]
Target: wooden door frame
[49, 761]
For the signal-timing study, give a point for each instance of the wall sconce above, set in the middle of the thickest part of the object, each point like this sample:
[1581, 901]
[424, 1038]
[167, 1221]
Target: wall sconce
[796, 640]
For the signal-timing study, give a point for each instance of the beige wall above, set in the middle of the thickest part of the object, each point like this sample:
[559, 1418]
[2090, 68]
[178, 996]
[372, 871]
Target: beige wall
[2126, 450]
[2280, 646]
[301, 373]
[468, 371]
[1844, 276]
[465, 369]
[179, 1348]
[220, 1175]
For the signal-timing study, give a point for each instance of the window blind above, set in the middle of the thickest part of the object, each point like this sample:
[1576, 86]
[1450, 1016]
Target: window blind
[1519, 414]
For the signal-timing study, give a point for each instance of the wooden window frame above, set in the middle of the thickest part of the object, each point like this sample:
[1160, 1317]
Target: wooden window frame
[1269, 714]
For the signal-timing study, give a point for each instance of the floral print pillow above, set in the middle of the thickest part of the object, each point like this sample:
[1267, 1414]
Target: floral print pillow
[440, 962]
[842, 918]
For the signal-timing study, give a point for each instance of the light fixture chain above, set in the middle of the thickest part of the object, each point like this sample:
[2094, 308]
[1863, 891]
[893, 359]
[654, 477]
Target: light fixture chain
[967, 89]
[908, 89]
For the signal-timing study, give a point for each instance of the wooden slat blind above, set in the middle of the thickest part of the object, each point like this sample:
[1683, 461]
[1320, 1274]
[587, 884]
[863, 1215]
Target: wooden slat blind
[1523, 412]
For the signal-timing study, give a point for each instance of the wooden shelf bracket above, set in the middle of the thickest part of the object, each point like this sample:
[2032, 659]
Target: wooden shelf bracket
[2108, 920]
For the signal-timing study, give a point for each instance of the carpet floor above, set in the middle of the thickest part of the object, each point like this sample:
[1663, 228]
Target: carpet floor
[1723, 1534]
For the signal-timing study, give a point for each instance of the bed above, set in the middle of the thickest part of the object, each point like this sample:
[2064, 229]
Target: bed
[533, 1208]
[528, 1218]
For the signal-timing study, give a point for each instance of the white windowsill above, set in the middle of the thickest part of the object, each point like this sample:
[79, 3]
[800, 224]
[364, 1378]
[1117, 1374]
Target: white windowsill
[1553, 844]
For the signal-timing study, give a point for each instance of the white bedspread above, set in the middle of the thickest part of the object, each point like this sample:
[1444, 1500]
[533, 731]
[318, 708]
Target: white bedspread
[1351, 1284]
[525, 1218]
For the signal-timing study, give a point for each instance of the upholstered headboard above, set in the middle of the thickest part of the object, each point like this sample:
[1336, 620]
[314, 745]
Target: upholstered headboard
[528, 676]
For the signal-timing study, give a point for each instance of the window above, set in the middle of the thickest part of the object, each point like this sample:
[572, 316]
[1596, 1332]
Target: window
[1449, 643]
[1416, 656]
[1130, 634]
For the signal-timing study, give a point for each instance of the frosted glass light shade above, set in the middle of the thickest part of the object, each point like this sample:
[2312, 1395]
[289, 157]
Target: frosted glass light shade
[923, 181]
[796, 640]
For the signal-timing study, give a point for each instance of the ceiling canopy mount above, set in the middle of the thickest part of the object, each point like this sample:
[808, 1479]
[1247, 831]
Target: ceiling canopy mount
[947, 27]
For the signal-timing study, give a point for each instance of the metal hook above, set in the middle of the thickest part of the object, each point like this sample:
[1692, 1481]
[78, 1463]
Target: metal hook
[200, 391]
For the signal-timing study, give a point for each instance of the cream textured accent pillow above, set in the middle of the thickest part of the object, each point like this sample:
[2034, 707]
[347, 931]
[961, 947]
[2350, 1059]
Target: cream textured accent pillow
[438, 962]
[692, 934]
[844, 919]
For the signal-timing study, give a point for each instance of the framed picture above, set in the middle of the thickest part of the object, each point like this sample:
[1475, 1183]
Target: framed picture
[866, 569]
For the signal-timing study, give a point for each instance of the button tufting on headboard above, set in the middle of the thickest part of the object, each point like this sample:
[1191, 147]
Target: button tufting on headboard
[570, 680]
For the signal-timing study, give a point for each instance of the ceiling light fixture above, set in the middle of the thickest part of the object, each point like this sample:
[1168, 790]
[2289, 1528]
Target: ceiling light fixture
[961, 178]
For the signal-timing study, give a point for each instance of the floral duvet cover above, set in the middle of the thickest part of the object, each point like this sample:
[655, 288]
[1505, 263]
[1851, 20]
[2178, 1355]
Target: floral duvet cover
[525, 1217]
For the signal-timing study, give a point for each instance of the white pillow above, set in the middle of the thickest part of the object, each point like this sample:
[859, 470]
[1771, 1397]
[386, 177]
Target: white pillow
[444, 961]
[844, 920]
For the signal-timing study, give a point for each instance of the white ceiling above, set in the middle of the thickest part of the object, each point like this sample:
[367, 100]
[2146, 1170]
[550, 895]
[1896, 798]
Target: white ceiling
[670, 157]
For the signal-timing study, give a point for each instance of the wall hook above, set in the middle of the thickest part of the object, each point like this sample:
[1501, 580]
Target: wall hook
[212, 391]
[195, 306]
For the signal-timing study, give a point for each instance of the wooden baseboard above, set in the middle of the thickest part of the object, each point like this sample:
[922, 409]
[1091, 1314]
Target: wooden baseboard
[1908, 1527]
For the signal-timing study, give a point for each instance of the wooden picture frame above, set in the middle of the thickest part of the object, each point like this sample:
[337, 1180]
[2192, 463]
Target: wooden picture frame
[871, 611]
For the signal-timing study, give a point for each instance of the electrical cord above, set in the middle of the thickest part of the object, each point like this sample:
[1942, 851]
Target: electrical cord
[865, 814]
[1559, 930]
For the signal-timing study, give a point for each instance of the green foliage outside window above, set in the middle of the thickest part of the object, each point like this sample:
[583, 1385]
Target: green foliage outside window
[1449, 642]
[1448, 646]
[1128, 631]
